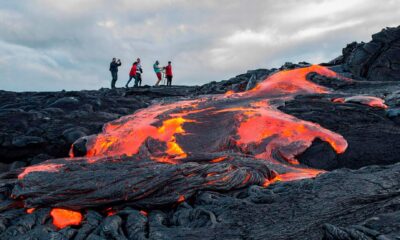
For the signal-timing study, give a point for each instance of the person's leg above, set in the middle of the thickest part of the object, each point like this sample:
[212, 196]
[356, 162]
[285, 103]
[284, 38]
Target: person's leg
[159, 78]
[136, 80]
[114, 79]
[130, 79]
[139, 79]
[169, 80]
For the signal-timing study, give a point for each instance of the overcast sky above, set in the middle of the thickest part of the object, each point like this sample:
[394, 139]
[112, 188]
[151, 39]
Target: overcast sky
[55, 45]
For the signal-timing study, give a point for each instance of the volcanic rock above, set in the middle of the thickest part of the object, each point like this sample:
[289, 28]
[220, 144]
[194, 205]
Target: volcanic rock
[66, 103]
[239, 83]
[377, 60]
[25, 141]
[72, 134]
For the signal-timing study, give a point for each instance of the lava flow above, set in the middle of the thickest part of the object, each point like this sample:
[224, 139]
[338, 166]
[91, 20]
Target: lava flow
[171, 132]
[366, 100]
[126, 135]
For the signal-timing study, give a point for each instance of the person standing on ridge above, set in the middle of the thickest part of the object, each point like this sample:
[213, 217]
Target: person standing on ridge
[139, 71]
[114, 71]
[157, 70]
[132, 74]
[168, 73]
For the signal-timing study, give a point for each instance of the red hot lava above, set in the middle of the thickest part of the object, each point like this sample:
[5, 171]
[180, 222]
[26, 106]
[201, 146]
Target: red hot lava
[366, 100]
[127, 134]
[291, 82]
[63, 218]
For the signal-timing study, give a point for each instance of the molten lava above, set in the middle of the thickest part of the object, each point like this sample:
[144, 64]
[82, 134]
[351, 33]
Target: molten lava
[63, 218]
[249, 121]
[30, 210]
[126, 135]
[366, 100]
[291, 82]
[281, 130]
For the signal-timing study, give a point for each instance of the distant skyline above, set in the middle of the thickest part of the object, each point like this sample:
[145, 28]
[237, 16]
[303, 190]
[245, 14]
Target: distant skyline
[48, 45]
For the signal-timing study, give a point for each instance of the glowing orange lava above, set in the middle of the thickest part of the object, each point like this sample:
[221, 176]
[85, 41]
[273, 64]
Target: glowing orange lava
[291, 82]
[63, 218]
[40, 168]
[220, 159]
[366, 100]
[126, 135]
[181, 199]
[283, 130]
[30, 210]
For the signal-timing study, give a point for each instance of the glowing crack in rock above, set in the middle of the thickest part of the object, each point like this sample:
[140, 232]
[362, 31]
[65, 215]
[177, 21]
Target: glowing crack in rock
[63, 218]
[40, 168]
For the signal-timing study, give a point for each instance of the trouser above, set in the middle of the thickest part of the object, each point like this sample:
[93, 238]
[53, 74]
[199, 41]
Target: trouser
[169, 80]
[159, 76]
[114, 76]
[138, 79]
[130, 79]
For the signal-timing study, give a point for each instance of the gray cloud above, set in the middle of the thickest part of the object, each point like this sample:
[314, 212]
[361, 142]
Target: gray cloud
[54, 45]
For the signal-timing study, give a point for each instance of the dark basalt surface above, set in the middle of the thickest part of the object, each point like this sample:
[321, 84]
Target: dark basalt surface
[377, 60]
[358, 199]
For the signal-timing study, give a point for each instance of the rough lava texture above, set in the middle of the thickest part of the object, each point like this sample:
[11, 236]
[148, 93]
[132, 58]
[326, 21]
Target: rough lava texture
[214, 187]
[377, 60]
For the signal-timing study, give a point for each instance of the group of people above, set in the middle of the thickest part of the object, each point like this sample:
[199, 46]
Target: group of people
[137, 71]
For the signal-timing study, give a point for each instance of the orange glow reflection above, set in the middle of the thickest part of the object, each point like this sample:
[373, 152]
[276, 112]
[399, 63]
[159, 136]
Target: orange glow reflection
[40, 168]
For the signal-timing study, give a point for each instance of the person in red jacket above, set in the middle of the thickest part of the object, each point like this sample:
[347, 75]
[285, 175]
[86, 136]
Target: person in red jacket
[168, 73]
[132, 74]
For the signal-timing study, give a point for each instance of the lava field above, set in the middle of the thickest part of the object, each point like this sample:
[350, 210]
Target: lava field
[301, 152]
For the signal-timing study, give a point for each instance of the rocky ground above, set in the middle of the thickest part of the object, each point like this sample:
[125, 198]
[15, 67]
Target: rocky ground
[358, 199]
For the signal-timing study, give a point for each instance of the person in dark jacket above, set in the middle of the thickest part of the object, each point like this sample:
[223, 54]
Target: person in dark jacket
[114, 71]
[132, 74]
[168, 73]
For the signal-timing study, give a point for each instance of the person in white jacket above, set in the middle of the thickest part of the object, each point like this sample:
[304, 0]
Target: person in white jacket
[139, 72]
